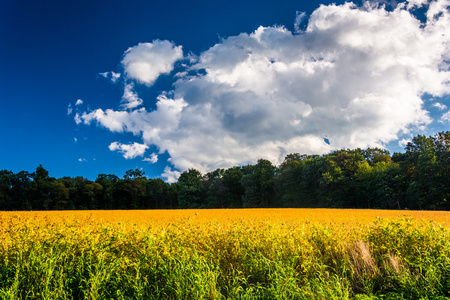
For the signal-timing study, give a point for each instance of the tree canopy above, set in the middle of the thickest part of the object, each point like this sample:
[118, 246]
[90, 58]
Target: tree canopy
[419, 178]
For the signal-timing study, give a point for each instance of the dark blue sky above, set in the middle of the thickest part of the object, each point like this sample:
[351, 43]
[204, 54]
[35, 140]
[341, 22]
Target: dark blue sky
[52, 52]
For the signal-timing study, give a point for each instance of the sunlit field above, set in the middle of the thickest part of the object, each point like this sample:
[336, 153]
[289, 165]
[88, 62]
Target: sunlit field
[225, 254]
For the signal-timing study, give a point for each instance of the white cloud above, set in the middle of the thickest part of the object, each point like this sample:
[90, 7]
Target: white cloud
[69, 109]
[152, 159]
[130, 98]
[299, 18]
[113, 76]
[130, 150]
[78, 119]
[355, 75]
[445, 117]
[82, 160]
[403, 142]
[439, 106]
[170, 175]
[79, 102]
[75, 139]
[416, 3]
[153, 125]
[146, 61]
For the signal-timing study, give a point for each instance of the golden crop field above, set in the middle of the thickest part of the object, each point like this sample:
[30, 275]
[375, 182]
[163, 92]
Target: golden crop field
[202, 216]
[225, 254]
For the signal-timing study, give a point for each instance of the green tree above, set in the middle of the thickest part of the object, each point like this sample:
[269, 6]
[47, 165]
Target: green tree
[130, 193]
[92, 192]
[442, 150]
[214, 189]
[190, 189]
[6, 183]
[425, 164]
[134, 174]
[349, 162]
[108, 182]
[233, 189]
[323, 182]
[289, 184]
[20, 191]
[82, 193]
[158, 195]
[259, 185]
[59, 194]
[41, 186]
[376, 155]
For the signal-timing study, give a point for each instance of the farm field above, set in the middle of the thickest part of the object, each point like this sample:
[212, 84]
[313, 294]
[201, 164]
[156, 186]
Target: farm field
[225, 254]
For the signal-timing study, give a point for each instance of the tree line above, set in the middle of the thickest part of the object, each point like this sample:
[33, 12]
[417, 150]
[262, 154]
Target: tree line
[419, 178]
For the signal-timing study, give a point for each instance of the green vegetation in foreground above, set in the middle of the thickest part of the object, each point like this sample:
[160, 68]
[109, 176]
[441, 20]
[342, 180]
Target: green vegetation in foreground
[399, 259]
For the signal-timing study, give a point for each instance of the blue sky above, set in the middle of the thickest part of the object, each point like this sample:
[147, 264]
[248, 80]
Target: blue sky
[213, 84]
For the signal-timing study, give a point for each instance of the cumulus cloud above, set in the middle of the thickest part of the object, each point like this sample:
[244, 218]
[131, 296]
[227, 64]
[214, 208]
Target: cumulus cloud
[152, 159]
[170, 175]
[440, 106]
[79, 102]
[69, 109]
[147, 61]
[403, 142]
[355, 75]
[445, 118]
[130, 150]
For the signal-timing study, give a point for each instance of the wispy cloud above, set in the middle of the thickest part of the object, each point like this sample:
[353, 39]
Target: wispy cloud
[130, 98]
[70, 110]
[347, 76]
[113, 76]
[78, 119]
[299, 19]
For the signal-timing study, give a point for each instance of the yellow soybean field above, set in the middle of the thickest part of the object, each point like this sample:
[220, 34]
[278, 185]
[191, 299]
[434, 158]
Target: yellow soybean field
[225, 254]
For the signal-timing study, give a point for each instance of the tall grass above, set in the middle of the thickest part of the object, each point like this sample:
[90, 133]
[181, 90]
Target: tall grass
[46, 256]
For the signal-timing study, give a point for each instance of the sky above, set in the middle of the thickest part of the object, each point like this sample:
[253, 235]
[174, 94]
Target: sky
[102, 87]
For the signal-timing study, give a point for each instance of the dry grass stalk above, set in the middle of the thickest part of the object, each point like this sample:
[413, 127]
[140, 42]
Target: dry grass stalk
[361, 260]
[394, 263]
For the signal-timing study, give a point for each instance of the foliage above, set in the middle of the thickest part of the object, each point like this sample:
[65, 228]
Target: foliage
[419, 178]
[258, 185]
[190, 189]
[224, 254]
